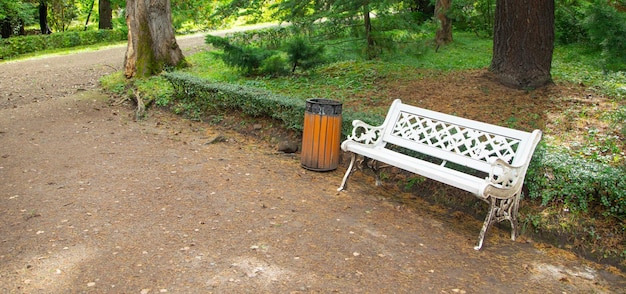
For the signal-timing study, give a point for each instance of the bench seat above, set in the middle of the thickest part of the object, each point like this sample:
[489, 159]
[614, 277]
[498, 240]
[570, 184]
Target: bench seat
[426, 169]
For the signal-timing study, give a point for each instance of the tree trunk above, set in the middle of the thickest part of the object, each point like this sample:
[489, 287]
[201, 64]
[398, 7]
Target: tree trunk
[367, 22]
[523, 42]
[43, 18]
[89, 15]
[152, 45]
[444, 33]
[106, 15]
[6, 29]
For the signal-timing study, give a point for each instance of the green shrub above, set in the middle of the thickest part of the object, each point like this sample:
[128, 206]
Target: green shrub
[247, 59]
[275, 65]
[252, 60]
[16, 46]
[206, 95]
[558, 178]
[568, 21]
[606, 27]
[303, 54]
[270, 38]
[201, 95]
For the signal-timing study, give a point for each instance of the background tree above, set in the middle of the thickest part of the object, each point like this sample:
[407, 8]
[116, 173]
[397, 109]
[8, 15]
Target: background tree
[473, 15]
[523, 42]
[444, 32]
[152, 45]
[192, 13]
[62, 13]
[89, 11]
[105, 13]
[43, 18]
[14, 15]
[355, 16]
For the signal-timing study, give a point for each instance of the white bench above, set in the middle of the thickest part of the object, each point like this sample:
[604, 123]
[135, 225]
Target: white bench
[487, 160]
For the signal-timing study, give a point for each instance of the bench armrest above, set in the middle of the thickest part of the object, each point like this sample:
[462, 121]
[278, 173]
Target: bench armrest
[365, 133]
[504, 179]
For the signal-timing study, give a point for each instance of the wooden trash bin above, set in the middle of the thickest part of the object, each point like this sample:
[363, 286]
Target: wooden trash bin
[321, 135]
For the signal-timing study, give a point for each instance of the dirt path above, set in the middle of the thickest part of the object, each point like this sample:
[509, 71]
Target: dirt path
[94, 202]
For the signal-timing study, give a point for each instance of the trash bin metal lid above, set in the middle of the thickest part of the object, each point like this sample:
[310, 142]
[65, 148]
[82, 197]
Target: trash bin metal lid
[323, 106]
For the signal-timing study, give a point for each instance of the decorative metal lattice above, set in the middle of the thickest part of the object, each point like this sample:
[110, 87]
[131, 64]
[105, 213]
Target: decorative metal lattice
[462, 140]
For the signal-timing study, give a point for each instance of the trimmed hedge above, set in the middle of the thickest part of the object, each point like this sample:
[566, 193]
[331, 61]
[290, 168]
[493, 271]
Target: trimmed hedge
[204, 95]
[15, 46]
[556, 178]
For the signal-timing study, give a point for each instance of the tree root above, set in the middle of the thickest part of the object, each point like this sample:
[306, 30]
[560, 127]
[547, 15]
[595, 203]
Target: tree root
[141, 107]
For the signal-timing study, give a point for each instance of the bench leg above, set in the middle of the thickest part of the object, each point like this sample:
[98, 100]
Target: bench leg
[351, 169]
[513, 216]
[499, 210]
[486, 224]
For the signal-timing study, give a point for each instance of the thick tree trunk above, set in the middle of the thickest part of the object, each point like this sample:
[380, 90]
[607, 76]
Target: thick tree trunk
[523, 42]
[444, 33]
[106, 15]
[152, 45]
[43, 18]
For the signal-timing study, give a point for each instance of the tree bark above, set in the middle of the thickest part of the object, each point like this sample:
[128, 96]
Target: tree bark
[444, 32]
[6, 29]
[43, 18]
[523, 42]
[106, 15]
[152, 45]
[367, 22]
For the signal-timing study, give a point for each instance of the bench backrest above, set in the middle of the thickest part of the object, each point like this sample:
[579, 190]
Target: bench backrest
[462, 141]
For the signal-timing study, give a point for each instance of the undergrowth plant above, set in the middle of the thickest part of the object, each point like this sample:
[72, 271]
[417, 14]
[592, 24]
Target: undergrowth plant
[577, 184]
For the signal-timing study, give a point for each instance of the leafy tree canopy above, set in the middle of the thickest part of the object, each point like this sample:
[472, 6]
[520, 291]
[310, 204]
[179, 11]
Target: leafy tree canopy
[17, 10]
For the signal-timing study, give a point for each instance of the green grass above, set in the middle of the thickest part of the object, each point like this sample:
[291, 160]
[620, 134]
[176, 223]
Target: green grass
[346, 80]
[342, 80]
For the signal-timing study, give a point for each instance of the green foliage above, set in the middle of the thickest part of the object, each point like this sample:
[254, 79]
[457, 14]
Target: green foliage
[199, 96]
[580, 64]
[275, 65]
[577, 184]
[568, 21]
[156, 90]
[15, 46]
[114, 83]
[207, 95]
[249, 60]
[188, 16]
[606, 27]
[270, 38]
[475, 16]
[16, 14]
[62, 12]
[618, 119]
[304, 55]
